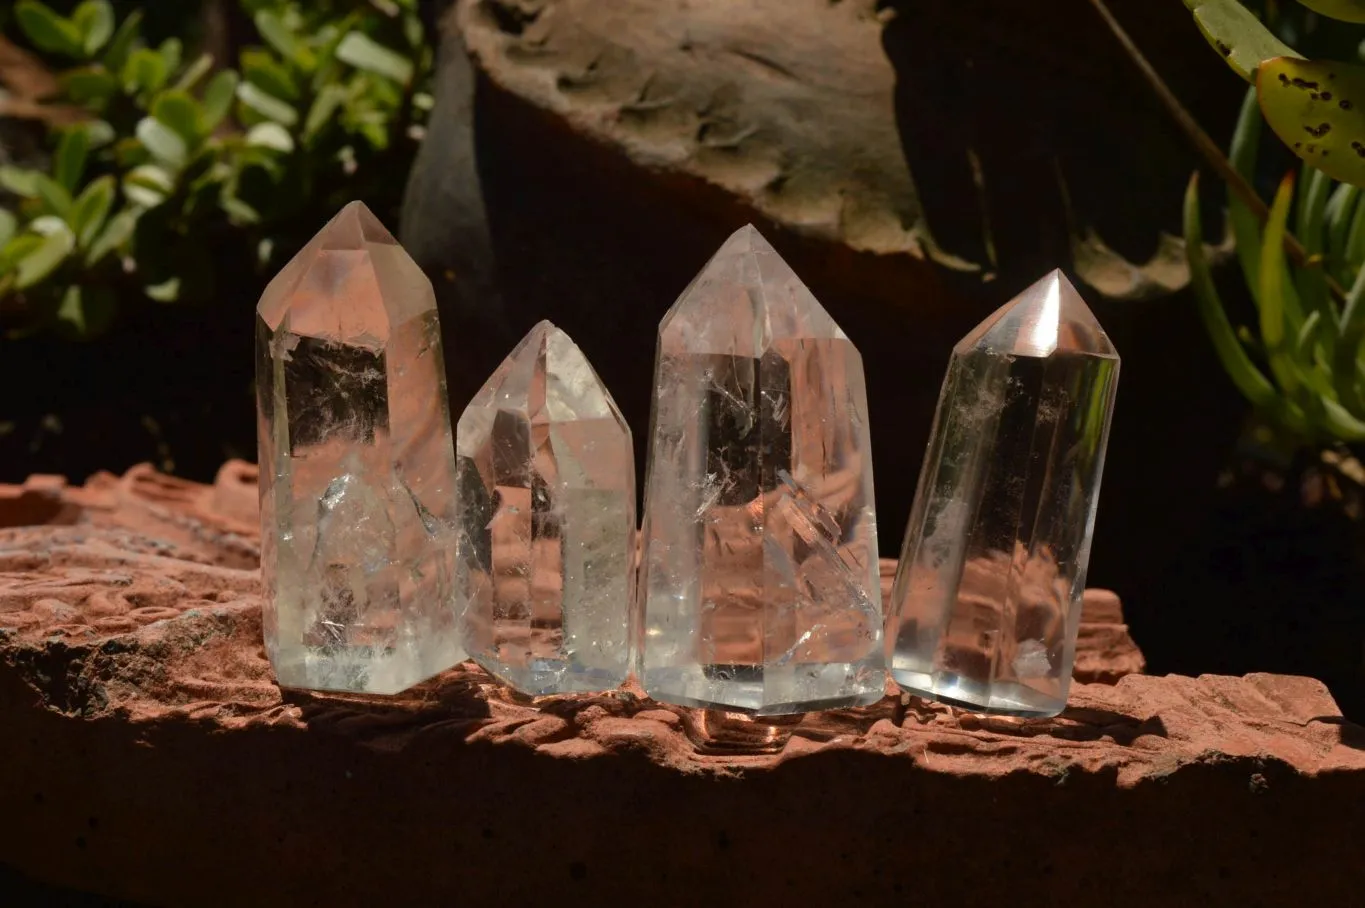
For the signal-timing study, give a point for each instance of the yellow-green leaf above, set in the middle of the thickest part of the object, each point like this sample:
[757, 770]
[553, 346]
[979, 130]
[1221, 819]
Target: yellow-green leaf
[1271, 299]
[267, 105]
[115, 234]
[44, 259]
[163, 142]
[1236, 33]
[1345, 10]
[218, 95]
[91, 209]
[363, 52]
[95, 20]
[1317, 108]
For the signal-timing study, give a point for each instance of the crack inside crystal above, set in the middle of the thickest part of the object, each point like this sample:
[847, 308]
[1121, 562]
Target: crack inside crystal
[759, 580]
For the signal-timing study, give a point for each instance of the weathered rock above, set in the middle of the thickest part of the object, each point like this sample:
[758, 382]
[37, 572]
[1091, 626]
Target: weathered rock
[149, 755]
[849, 121]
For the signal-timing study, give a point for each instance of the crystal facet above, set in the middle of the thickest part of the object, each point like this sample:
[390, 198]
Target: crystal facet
[759, 586]
[547, 522]
[357, 466]
[986, 602]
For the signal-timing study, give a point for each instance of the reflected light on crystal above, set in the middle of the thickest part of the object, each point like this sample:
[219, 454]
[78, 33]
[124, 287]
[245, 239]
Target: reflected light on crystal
[985, 606]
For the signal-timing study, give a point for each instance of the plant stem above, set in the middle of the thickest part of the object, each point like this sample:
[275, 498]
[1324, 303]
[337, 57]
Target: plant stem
[1207, 147]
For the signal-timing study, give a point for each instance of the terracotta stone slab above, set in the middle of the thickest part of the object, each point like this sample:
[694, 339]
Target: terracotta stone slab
[148, 754]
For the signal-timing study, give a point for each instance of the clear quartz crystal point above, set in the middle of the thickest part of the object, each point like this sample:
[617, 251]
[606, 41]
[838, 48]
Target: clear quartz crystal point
[357, 466]
[759, 587]
[547, 522]
[987, 597]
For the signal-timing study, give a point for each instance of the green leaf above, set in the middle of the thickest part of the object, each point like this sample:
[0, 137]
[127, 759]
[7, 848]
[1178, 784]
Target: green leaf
[56, 198]
[47, 30]
[1275, 326]
[1340, 423]
[324, 108]
[45, 259]
[179, 111]
[239, 213]
[1345, 10]
[145, 71]
[1246, 227]
[1346, 372]
[268, 106]
[1236, 33]
[47, 224]
[69, 162]
[1312, 277]
[1254, 386]
[95, 21]
[262, 70]
[162, 141]
[194, 72]
[1317, 108]
[99, 132]
[121, 45]
[148, 185]
[272, 136]
[17, 248]
[91, 210]
[86, 312]
[278, 35]
[20, 181]
[1340, 212]
[363, 52]
[8, 224]
[171, 51]
[90, 86]
[168, 291]
[116, 233]
[217, 100]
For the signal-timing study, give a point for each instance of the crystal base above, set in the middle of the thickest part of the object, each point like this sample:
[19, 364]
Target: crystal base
[767, 691]
[1006, 698]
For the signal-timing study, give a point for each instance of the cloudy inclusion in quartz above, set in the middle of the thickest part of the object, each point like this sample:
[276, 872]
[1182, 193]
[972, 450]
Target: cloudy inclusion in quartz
[986, 603]
[759, 577]
[357, 466]
[547, 522]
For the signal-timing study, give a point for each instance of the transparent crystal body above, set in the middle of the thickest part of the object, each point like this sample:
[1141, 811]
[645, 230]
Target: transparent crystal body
[759, 581]
[357, 466]
[986, 602]
[547, 522]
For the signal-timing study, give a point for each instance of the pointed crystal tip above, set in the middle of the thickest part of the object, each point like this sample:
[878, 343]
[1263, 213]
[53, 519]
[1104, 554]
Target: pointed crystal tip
[1049, 317]
[743, 301]
[351, 284]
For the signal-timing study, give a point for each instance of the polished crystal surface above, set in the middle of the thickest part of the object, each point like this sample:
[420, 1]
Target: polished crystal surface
[357, 466]
[986, 602]
[547, 522]
[759, 579]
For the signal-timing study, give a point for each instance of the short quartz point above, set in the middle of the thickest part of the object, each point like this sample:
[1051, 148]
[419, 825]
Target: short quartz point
[759, 579]
[357, 467]
[547, 523]
[986, 603]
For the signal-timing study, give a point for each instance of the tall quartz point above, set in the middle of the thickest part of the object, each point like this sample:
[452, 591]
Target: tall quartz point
[357, 466]
[987, 598]
[547, 522]
[759, 582]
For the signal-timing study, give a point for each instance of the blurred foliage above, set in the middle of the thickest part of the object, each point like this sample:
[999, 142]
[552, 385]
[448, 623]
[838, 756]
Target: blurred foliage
[177, 163]
[1302, 364]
